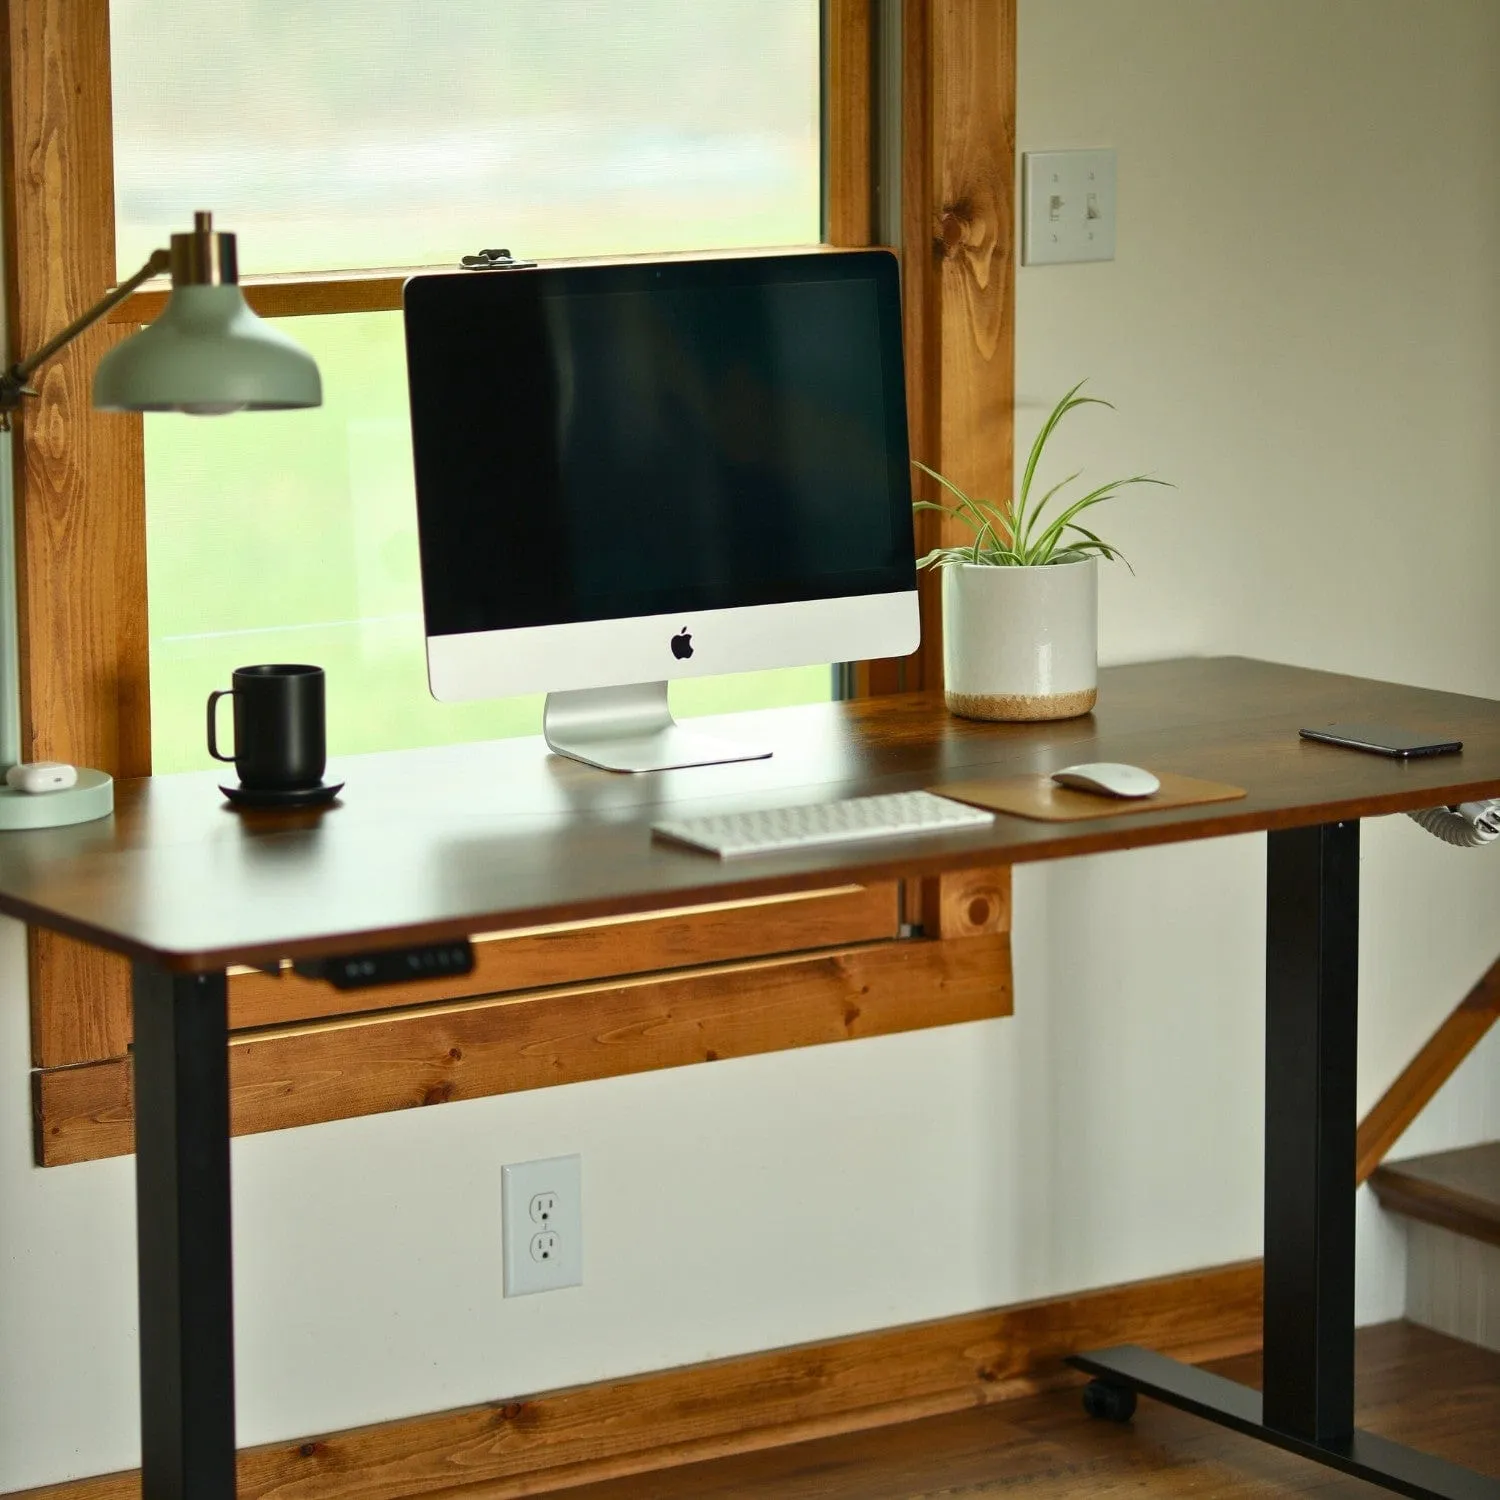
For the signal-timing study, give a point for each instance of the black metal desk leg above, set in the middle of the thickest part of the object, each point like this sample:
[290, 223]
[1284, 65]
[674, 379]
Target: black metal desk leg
[182, 1233]
[1312, 995]
[1312, 1009]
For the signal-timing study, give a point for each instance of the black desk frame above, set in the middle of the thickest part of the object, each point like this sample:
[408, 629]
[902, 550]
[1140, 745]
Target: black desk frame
[1312, 1025]
[182, 1178]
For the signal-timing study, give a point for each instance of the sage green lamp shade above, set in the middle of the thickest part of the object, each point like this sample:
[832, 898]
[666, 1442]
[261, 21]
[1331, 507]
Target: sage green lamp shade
[207, 354]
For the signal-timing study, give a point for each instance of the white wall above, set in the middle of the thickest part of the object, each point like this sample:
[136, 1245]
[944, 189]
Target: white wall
[1302, 330]
[1317, 371]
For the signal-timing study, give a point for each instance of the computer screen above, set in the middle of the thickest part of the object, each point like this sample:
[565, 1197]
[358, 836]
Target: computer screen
[602, 442]
[647, 470]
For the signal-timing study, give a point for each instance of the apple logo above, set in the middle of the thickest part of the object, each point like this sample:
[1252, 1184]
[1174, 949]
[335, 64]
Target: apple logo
[682, 645]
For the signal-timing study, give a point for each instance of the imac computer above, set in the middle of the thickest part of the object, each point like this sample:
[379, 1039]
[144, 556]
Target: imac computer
[636, 472]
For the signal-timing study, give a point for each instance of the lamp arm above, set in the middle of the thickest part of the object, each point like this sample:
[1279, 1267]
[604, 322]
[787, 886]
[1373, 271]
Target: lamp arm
[13, 383]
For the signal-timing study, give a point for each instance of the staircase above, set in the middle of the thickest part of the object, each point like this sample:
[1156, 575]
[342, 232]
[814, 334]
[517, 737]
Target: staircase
[1452, 1203]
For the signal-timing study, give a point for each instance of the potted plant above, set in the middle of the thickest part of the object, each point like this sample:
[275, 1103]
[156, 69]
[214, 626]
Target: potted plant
[1021, 602]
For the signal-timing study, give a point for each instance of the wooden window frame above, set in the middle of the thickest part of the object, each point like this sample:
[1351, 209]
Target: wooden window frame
[79, 475]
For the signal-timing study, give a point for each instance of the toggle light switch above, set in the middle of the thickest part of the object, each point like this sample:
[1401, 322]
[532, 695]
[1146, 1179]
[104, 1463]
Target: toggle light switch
[1069, 206]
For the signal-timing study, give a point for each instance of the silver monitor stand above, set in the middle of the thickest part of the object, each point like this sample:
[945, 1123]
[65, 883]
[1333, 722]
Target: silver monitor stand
[631, 729]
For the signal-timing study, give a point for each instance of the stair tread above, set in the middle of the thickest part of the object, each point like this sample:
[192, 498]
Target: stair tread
[1459, 1190]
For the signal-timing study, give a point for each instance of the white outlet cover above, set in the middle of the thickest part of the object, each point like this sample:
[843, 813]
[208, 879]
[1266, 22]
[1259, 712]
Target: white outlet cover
[1069, 206]
[559, 1177]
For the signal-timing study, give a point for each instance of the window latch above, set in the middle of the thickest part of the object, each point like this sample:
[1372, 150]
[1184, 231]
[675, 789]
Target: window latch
[494, 260]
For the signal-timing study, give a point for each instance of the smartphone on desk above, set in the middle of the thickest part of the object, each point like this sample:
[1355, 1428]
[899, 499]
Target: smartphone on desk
[1382, 739]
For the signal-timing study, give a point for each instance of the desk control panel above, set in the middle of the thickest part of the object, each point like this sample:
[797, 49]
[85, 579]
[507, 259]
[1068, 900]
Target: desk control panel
[357, 971]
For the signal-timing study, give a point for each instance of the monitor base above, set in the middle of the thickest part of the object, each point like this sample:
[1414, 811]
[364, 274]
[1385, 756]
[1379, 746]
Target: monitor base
[631, 729]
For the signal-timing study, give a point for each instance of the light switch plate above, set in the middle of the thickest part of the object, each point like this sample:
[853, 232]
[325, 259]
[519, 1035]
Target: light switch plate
[1069, 206]
[541, 1205]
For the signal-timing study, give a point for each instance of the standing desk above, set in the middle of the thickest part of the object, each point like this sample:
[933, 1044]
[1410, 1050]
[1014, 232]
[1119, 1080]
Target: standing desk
[438, 844]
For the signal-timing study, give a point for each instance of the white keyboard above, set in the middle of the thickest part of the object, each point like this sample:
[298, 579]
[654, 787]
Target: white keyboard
[855, 818]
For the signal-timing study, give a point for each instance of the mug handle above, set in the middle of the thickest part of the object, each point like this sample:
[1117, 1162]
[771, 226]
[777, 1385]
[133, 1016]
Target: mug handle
[213, 737]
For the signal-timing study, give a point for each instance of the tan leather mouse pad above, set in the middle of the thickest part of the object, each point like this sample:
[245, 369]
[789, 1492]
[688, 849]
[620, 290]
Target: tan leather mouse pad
[1042, 798]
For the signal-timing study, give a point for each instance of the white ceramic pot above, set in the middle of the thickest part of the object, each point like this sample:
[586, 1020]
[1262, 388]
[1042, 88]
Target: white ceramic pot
[1021, 643]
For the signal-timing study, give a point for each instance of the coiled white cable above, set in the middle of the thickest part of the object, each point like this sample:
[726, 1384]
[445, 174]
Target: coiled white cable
[1470, 825]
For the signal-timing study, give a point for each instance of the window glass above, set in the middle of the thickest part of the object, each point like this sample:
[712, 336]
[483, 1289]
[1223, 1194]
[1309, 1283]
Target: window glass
[342, 133]
[291, 536]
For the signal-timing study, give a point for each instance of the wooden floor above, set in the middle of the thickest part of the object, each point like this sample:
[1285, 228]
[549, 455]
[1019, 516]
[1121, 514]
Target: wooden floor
[1414, 1386]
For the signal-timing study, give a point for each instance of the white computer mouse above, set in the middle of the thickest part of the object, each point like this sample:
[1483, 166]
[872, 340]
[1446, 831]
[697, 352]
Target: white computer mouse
[1109, 779]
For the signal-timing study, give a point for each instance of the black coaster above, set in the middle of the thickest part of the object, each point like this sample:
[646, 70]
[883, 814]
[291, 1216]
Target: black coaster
[302, 796]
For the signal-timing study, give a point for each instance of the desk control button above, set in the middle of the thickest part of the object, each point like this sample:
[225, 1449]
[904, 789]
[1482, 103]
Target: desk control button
[358, 971]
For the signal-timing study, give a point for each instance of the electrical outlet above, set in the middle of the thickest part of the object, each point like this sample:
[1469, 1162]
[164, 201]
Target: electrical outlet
[541, 1206]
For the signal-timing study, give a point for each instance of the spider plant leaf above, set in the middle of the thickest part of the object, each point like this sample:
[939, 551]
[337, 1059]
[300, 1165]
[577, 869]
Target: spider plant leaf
[947, 484]
[1093, 538]
[968, 510]
[1041, 506]
[1052, 536]
[997, 543]
[1000, 519]
[944, 557]
[1049, 538]
[1098, 544]
[1058, 412]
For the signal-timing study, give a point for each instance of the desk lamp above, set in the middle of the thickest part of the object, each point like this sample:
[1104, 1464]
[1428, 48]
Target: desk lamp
[206, 354]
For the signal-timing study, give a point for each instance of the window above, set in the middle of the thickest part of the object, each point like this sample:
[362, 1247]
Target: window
[80, 510]
[384, 133]
[339, 133]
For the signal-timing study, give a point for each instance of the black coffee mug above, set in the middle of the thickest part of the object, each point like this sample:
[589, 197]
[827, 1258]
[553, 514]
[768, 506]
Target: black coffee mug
[280, 741]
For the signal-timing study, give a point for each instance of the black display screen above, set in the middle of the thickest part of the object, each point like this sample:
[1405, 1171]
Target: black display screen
[601, 442]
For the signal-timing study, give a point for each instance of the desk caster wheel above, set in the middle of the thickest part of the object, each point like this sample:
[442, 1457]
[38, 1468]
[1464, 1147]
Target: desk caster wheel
[1110, 1403]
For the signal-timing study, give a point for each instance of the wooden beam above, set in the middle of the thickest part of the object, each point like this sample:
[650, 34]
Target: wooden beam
[79, 474]
[369, 1064]
[64, 1035]
[80, 1001]
[958, 257]
[1427, 1072]
[848, 180]
[565, 953]
[303, 294]
[531, 1445]
[572, 952]
[963, 903]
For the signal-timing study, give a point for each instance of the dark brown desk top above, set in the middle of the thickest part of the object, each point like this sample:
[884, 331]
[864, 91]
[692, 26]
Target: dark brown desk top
[475, 838]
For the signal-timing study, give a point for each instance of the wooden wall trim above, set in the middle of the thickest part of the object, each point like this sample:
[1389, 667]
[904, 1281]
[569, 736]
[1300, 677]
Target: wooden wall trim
[79, 474]
[532, 1445]
[958, 150]
[372, 1063]
[304, 294]
[848, 180]
[1427, 1072]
